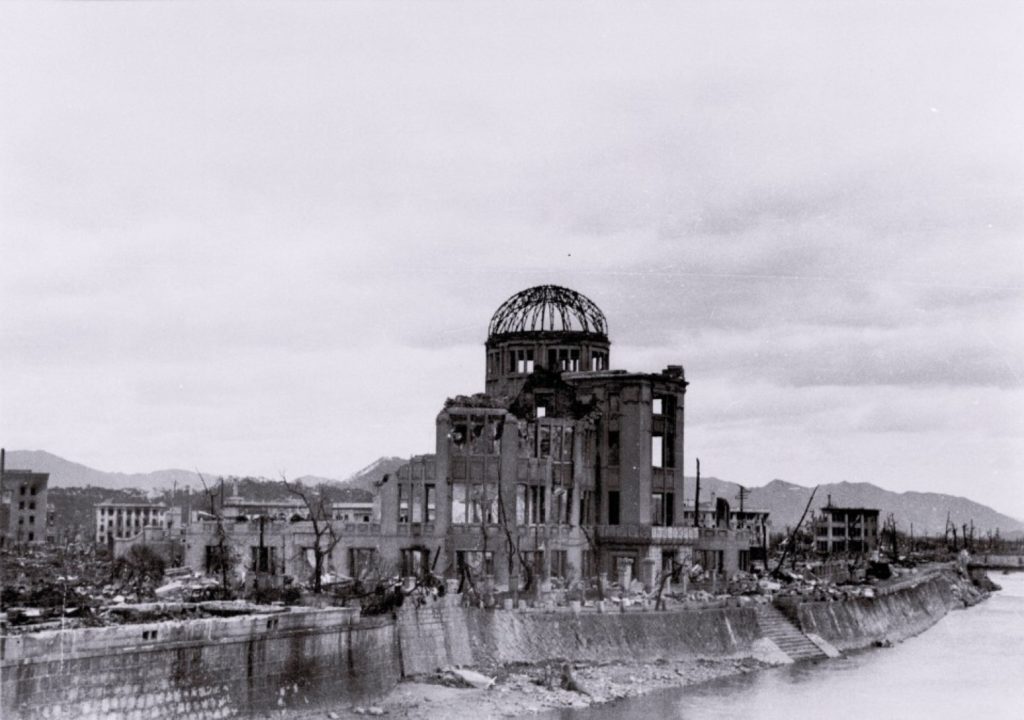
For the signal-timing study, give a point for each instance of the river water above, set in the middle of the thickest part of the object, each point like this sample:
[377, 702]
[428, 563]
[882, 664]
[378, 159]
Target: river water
[969, 666]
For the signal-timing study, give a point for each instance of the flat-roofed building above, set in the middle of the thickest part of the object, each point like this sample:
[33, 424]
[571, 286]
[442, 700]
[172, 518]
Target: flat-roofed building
[127, 519]
[25, 501]
[850, 530]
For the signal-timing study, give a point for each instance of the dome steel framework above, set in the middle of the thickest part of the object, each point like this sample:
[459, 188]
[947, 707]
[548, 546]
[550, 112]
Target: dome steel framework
[548, 308]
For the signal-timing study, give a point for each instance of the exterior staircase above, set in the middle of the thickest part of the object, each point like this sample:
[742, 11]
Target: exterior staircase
[780, 630]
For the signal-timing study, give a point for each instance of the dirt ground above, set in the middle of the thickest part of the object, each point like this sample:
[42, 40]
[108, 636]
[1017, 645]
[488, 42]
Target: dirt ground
[524, 691]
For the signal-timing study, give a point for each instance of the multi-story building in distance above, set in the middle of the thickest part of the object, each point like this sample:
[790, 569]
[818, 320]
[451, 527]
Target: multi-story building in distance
[852, 530]
[25, 501]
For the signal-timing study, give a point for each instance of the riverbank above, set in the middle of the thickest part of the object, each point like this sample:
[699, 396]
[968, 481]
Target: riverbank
[337, 662]
[523, 690]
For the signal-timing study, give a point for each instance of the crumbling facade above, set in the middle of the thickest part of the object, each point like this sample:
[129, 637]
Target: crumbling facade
[563, 468]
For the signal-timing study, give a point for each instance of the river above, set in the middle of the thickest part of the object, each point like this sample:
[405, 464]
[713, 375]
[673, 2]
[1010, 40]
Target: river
[969, 666]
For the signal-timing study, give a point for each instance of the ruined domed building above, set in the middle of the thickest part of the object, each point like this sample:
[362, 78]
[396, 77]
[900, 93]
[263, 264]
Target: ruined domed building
[563, 467]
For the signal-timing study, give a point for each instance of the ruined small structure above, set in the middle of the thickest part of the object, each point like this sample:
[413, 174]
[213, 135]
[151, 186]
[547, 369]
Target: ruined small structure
[24, 510]
[852, 530]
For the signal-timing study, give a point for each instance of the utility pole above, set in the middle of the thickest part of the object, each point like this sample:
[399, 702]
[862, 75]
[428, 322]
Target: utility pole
[696, 499]
[742, 495]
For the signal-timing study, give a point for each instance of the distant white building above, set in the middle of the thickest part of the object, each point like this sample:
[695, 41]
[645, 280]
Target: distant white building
[288, 508]
[125, 520]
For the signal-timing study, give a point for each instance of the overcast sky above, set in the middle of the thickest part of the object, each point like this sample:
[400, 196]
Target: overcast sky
[270, 237]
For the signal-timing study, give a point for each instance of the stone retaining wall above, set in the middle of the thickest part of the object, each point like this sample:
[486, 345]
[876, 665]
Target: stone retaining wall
[858, 623]
[216, 668]
[223, 668]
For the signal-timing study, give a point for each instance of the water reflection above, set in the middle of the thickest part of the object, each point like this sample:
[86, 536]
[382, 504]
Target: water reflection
[968, 667]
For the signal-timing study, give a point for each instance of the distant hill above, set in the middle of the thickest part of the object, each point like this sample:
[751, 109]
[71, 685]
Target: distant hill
[64, 473]
[785, 500]
[365, 478]
[927, 511]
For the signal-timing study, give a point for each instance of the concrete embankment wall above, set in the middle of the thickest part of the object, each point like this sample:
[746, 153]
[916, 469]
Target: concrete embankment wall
[216, 668]
[858, 623]
[439, 635]
[223, 668]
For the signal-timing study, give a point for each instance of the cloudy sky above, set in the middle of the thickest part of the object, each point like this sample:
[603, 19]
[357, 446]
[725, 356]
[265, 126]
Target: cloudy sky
[270, 237]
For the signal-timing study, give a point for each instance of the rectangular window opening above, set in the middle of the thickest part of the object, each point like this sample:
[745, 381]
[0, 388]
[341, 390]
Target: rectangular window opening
[613, 448]
[430, 502]
[657, 451]
[403, 503]
[613, 507]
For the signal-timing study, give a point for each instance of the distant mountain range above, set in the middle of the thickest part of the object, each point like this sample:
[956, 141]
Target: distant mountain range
[927, 511]
[64, 473]
[784, 500]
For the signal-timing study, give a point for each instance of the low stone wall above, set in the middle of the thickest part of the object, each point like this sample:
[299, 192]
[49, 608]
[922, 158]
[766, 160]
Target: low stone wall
[217, 668]
[858, 623]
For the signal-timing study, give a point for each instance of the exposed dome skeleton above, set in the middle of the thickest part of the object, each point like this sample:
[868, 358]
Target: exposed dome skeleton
[548, 308]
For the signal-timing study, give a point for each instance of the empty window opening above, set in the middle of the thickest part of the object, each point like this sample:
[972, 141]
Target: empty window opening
[361, 561]
[403, 503]
[613, 448]
[263, 559]
[431, 499]
[657, 451]
[415, 562]
[530, 504]
[662, 508]
[567, 359]
[521, 361]
[459, 510]
[417, 504]
[613, 507]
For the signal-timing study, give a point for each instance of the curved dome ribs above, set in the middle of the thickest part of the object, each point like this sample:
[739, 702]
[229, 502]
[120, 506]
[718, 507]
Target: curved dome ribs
[548, 308]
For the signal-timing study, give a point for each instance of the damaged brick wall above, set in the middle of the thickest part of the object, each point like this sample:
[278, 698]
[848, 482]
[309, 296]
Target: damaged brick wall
[213, 669]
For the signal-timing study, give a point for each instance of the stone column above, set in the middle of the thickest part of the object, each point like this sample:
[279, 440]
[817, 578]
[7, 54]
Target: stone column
[647, 573]
[625, 574]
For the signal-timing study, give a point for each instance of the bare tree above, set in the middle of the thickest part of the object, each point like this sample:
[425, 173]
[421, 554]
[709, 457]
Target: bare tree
[671, 573]
[890, 525]
[514, 552]
[325, 538]
[224, 559]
